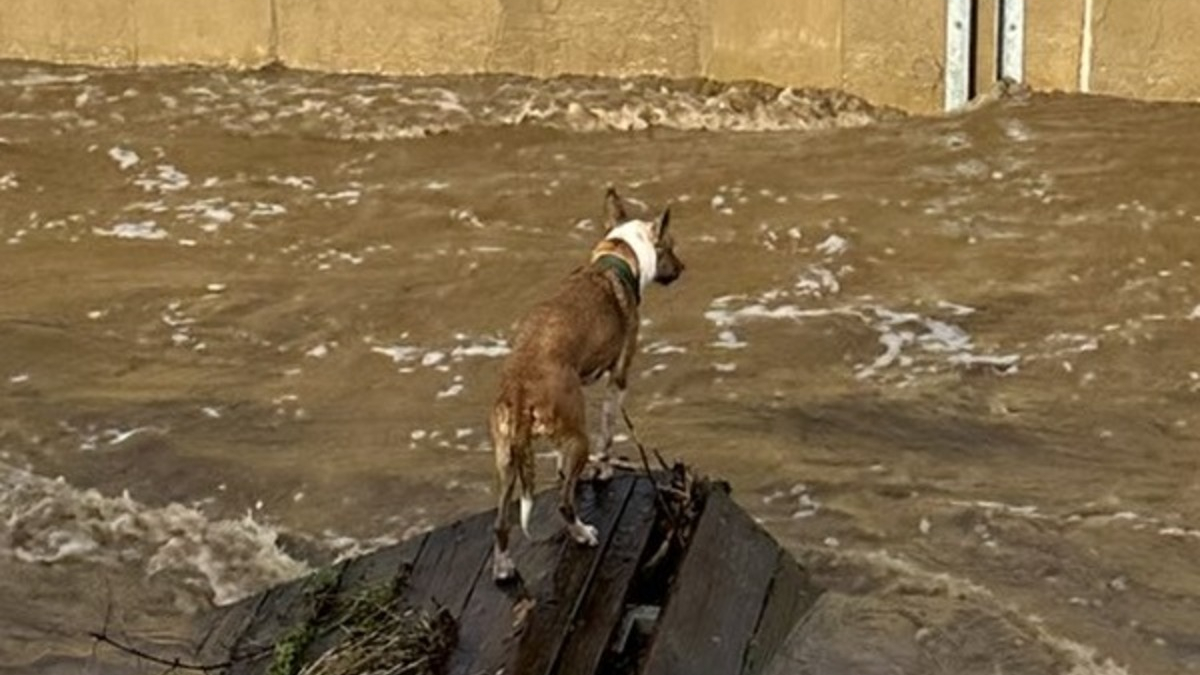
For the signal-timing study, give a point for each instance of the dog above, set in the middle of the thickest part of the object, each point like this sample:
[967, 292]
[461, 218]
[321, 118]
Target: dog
[588, 329]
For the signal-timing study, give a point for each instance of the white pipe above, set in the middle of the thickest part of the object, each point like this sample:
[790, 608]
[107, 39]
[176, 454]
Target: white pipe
[1085, 51]
[958, 53]
[1012, 40]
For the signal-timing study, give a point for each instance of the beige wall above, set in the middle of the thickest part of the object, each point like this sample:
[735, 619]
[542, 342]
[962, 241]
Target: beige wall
[893, 51]
[890, 51]
[1147, 49]
[398, 36]
[788, 42]
[1053, 40]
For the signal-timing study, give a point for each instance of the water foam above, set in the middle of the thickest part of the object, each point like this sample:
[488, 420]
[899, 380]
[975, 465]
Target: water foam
[376, 108]
[50, 522]
[1083, 659]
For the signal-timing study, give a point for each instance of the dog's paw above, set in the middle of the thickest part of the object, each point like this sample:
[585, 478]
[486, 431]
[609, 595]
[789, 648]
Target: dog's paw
[583, 533]
[604, 471]
[599, 468]
[503, 568]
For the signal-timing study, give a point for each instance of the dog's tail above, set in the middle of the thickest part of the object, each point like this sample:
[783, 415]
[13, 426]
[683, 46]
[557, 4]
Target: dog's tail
[512, 435]
[526, 462]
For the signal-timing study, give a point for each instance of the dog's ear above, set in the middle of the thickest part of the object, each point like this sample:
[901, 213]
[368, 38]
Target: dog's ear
[614, 209]
[660, 225]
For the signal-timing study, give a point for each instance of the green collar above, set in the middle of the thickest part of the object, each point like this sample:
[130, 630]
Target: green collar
[624, 273]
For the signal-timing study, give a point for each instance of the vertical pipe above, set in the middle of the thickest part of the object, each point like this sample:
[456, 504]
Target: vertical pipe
[1085, 51]
[1012, 40]
[958, 53]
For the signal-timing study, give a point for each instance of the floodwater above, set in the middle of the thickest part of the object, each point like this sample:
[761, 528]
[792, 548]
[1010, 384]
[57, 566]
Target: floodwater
[252, 322]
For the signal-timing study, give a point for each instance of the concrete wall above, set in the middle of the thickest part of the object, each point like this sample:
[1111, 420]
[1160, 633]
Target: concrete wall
[890, 51]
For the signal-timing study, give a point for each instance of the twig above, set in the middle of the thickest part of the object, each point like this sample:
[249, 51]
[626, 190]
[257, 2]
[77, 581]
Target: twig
[629, 423]
[662, 502]
[175, 664]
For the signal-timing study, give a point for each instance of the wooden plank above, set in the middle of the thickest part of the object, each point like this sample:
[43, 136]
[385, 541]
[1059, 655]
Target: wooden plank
[382, 566]
[790, 596]
[560, 594]
[533, 614]
[448, 564]
[219, 631]
[604, 601]
[718, 595]
[486, 629]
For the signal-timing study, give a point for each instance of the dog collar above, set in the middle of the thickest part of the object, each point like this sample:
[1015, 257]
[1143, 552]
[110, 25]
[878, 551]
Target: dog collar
[624, 272]
[636, 235]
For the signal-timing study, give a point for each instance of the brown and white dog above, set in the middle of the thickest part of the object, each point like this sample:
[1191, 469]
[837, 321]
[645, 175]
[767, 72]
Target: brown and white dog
[587, 329]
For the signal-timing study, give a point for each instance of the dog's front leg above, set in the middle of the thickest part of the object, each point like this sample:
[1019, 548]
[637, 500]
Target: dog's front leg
[614, 399]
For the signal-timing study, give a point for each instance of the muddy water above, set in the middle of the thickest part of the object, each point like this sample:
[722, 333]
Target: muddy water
[249, 323]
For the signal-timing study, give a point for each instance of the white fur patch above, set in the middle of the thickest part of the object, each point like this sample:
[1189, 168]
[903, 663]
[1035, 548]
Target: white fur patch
[526, 512]
[639, 235]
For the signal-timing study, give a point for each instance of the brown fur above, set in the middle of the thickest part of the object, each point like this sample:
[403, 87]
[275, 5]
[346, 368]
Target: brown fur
[586, 329]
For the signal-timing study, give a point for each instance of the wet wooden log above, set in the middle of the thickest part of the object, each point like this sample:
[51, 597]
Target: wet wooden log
[720, 597]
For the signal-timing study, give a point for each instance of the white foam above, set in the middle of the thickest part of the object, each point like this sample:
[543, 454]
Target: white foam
[38, 79]
[956, 309]
[1195, 315]
[451, 391]
[349, 197]
[1006, 363]
[817, 281]
[833, 245]
[493, 348]
[124, 158]
[49, 522]
[1084, 659]
[299, 182]
[166, 178]
[146, 229]
[399, 353]
[727, 339]
[660, 347]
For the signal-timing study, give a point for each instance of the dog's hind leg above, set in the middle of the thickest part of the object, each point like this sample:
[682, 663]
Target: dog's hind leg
[574, 449]
[507, 472]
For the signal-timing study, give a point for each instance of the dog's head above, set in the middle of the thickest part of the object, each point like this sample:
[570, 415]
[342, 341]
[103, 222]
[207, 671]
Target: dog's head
[668, 267]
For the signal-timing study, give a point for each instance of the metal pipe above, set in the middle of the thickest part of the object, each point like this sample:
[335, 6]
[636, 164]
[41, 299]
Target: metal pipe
[1012, 40]
[958, 52]
[1085, 50]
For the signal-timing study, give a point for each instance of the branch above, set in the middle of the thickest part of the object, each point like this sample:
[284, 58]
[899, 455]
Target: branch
[175, 664]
